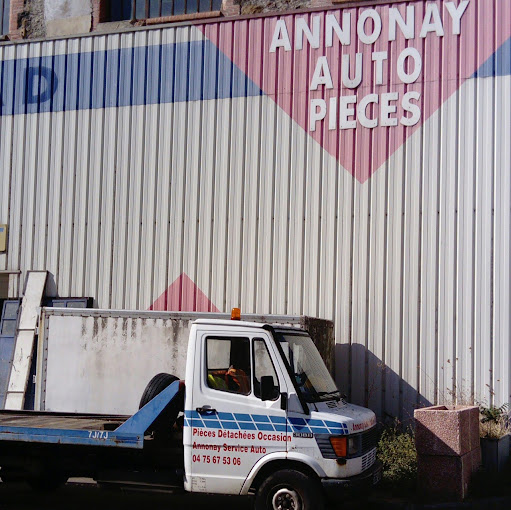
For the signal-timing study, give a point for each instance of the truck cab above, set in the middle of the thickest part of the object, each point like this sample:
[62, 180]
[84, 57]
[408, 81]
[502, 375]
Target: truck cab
[263, 415]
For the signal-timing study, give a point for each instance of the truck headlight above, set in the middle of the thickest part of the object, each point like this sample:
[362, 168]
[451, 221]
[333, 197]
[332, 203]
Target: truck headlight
[352, 447]
[345, 446]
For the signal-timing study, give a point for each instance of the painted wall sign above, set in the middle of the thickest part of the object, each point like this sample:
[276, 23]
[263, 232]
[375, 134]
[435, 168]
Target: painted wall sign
[341, 110]
[339, 73]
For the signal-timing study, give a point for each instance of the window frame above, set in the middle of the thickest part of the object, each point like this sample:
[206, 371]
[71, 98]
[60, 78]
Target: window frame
[261, 339]
[5, 17]
[231, 339]
[144, 8]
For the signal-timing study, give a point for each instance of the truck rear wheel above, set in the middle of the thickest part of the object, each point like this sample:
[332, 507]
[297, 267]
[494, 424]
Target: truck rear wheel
[163, 424]
[155, 386]
[289, 489]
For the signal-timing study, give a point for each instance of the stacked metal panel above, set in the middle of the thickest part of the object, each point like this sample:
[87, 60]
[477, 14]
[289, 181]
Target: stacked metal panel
[238, 163]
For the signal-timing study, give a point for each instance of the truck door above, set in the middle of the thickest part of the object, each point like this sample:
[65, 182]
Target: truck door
[232, 427]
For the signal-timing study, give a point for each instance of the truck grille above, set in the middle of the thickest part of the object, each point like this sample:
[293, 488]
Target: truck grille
[369, 440]
[325, 446]
[368, 459]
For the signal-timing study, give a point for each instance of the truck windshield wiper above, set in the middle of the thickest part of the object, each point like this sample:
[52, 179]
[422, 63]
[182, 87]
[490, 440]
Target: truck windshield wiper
[335, 394]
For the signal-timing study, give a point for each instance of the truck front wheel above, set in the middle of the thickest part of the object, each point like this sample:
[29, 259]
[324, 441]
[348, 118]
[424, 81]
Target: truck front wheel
[289, 489]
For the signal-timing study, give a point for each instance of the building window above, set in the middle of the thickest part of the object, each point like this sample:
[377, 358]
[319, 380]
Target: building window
[85, 302]
[144, 9]
[5, 7]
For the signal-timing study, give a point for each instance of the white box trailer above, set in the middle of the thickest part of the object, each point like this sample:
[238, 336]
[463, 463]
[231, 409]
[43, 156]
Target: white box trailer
[100, 361]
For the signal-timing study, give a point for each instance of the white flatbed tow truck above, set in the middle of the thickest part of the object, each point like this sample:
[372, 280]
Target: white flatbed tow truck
[258, 414]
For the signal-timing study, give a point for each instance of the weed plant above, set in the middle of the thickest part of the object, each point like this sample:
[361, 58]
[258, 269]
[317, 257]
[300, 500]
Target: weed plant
[494, 421]
[397, 453]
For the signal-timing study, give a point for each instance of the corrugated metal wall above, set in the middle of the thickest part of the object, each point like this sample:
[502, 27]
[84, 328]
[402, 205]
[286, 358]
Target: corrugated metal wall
[164, 158]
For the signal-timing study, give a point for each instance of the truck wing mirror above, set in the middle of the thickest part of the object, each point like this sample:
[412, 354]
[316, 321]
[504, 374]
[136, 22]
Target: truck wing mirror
[267, 388]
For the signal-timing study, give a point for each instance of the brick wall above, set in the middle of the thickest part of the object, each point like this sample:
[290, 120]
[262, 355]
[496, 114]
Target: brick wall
[320, 3]
[100, 12]
[26, 19]
[17, 9]
[230, 8]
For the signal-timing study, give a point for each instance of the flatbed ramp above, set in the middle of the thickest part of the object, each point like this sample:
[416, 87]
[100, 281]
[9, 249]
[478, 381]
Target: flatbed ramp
[86, 430]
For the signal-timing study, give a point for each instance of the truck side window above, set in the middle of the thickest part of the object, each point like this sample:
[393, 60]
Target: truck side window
[263, 366]
[228, 364]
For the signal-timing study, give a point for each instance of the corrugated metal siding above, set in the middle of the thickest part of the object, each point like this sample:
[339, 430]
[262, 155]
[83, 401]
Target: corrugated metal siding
[411, 263]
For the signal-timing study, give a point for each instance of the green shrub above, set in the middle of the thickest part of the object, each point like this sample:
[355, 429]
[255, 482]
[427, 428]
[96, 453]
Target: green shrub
[396, 451]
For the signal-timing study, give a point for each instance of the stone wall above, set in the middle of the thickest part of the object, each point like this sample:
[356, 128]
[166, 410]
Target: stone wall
[50, 18]
[66, 17]
[27, 19]
[258, 6]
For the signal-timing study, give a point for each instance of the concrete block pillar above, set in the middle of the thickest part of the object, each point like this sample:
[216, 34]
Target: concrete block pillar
[448, 449]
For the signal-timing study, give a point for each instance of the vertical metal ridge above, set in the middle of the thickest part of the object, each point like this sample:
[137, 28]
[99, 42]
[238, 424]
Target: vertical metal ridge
[439, 389]
[402, 286]
[228, 179]
[213, 181]
[199, 180]
[259, 145]
[181, 228]
[136, 296]
[492, 227]
[242, 178]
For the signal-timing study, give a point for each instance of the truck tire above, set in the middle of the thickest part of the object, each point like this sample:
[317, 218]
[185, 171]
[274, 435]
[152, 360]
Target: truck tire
[289, 489]
[163, 424]
[155, 386]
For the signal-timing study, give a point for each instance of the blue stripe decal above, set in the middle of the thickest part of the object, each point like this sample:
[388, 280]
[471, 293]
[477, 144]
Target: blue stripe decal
[231, 425]
[333, 424]
[243, 417]
[247, 426]
[226, 416]
[265, 426]
[315, 423]
[319, 430]
[245, 421]
[499, 64]
[169, 73]
[260, 418]
[212, 424]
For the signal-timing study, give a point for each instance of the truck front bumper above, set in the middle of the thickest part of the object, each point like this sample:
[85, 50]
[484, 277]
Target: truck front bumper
[334, 487]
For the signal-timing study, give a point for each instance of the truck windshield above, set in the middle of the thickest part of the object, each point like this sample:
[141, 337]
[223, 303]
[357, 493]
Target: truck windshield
[308, 369]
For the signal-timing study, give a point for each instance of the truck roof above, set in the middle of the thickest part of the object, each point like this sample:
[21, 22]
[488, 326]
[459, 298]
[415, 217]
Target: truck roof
[250, 324]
